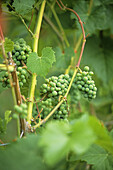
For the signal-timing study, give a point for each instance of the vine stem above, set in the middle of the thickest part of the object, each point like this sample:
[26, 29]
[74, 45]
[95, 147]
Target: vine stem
[28, 29]
[38, 26]
[58, 105]
[31, 98]
[35, 49]
[4, 68]
[59, 24]
[10, 78]
[81, 24]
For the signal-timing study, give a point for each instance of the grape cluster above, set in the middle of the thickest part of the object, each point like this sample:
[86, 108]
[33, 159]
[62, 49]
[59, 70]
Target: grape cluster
[53, 89]
[85, 83]
[55, 86]
[5, 80]
[20, 110]
[20, 52]
[22, 76]
[49, 104]
[74, 92]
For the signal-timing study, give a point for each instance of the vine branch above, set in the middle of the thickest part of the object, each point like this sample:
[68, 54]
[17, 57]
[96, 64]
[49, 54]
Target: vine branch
[35, 49]
[81, 24]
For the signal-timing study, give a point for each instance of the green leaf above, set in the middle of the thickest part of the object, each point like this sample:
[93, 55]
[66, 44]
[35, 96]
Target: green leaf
[8, 46]
[98, 157]
[103, 138]
[59, 138]
[41, 65]
[2, 130]
[55, 142]
[96, 17]
[23, 154]
[99, 55]
[63, 59]
[7, 116]
[5, 121]
[82, 135]
[23, 7]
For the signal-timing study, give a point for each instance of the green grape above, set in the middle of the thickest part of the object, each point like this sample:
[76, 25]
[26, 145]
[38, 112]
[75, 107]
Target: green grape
[85, 78]
[79, 78]
[91, 73]
[52, 89]
[44, 85]
[24, 81]
[23, 71]
[18, 109]
[95, 89]
[87, 89]
[61, 81]
[54, 93]
[18, 63]
[82, 83]
[22, 53]
[44, 91]
[17, 54]
[24, 106]
[90, 87]
[66, 76]
[59, 84]
[79, 86]
[19, 68]
[60, 92]
[21, 84]
[84, 73]
[17, 47]
[15, 116]
[22, 76]
[23, 57]
[86, 68]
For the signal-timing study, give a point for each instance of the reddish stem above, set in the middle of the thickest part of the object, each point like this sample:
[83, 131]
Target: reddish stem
[31, 19]
[1, 34]
[81, 24]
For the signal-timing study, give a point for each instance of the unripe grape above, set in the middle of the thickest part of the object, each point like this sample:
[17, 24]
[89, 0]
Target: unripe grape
[86, 68]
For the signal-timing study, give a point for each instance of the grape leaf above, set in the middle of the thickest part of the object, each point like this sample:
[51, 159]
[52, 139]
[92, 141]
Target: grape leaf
[55, 142]
[103, 138]
[23, 7]
[82, 135]
[63, 59]
[7, 116]
[41, 65]
[8, 46]
[23, 154]
[99, 55]
[98, 157]
[98, 17]
[5, 121]
[63, 137]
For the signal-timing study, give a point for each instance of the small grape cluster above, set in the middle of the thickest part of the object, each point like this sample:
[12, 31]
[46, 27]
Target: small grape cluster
[21, 52]
[20, 110]
[5, 80]
[22, 76]
[74, 92]
[85, 83]
[56, 86]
